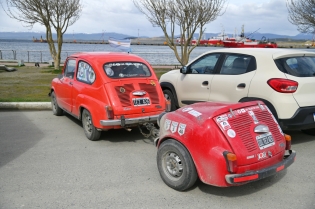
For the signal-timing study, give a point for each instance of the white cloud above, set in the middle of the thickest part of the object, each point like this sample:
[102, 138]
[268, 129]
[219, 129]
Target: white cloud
[121, 16]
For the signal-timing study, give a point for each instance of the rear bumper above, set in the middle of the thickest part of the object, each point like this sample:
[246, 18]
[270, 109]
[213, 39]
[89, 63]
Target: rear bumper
[302, 119]
[129, 121]
[236, 179]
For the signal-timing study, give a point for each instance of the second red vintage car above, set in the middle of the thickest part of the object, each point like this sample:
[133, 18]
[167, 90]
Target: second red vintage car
[224, 144]
[107, 90]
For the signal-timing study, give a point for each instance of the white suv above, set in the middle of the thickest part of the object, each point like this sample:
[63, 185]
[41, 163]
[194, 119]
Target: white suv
[284, 79]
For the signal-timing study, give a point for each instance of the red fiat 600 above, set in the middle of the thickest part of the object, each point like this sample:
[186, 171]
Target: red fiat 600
[223, 144]
[107, 91]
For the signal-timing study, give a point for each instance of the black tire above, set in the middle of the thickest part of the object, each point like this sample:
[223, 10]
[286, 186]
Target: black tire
[89, 129]
[176, 166]
[54, 105]
[170, 97]
[309, 131]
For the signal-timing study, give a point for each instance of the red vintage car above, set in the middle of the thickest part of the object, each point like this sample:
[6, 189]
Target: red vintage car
[224, 144]
[107, 91]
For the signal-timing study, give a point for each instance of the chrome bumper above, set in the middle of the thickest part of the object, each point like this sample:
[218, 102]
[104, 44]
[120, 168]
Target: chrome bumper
[129, 121]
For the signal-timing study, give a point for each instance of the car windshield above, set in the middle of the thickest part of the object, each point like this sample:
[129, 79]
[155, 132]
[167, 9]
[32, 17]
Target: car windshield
[126, 70]
[297, 66]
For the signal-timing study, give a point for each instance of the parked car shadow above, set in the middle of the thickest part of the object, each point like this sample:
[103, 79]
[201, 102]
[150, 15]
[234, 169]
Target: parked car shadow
[17, 135]
[116, 135]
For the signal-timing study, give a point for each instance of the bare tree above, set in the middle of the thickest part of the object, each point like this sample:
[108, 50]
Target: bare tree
[302, 14]
[53, 14]
[187, 15]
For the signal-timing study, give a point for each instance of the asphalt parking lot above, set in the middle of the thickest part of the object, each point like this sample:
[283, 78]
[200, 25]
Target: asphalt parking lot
[47, 162]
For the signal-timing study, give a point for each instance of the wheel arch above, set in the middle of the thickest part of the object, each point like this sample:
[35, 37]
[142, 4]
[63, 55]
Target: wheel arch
[269, 104]
[169, 86]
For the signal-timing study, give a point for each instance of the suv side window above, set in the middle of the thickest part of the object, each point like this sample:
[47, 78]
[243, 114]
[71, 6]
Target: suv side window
[204, 65]
[236, 64]
[70, 67]
[85, 73]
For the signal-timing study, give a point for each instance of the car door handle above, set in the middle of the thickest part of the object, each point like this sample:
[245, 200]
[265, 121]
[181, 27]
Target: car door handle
[205, 83]
[241, 85]
[71, 83]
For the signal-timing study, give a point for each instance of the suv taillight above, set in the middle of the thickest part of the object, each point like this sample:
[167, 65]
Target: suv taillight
[283, 85]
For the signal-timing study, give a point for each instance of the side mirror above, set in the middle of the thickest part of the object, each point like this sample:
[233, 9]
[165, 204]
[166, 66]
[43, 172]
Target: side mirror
[183, 70]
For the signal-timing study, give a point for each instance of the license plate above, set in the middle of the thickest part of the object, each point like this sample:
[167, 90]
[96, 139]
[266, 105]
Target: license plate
[265, 140]
[141, 101]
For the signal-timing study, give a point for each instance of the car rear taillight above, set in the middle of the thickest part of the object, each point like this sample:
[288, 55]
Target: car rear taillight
[230, 159]
[287, 141]
[283, 85]
[109, 112]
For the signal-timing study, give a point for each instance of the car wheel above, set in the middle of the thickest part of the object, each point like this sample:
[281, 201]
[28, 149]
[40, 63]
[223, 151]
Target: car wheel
[54, 105]
[175, 165]
[170, 97]
[309, 131]
[89, 129]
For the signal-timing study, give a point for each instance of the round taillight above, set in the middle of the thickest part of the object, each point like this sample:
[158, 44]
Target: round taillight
[283, 85]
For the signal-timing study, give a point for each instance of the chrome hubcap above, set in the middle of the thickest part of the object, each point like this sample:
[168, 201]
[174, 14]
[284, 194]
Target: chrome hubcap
[88, 123]
[174, 164]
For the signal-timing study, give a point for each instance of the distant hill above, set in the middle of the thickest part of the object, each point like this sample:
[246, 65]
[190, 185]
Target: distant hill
[104, 36]
[66, 37]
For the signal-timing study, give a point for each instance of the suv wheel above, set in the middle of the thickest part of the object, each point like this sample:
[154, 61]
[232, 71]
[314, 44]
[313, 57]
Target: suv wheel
[170, 97]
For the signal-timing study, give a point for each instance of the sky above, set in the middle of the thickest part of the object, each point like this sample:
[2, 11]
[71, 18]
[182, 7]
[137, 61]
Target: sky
[121, 16]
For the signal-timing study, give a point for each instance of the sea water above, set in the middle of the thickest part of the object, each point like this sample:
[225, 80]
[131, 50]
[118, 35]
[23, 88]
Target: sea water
[30, 51]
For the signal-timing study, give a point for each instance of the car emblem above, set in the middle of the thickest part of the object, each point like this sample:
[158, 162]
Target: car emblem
[122, 90]
[139, 93]
[152, 83]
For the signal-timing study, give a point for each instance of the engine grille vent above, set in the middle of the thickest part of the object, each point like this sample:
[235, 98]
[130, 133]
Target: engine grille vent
[241, 125]
[151, 89]
[123, 93]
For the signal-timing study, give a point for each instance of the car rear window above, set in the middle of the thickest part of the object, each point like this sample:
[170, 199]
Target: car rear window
[126, 70]
[297, 66]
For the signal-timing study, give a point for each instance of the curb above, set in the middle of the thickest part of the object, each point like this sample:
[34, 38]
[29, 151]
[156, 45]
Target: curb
[25, 105]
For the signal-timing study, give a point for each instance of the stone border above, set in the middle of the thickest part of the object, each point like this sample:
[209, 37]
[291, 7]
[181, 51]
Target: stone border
[25, 105]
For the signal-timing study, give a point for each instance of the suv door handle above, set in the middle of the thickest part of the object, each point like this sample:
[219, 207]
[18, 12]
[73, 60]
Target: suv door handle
[205, 83]
[241, 85]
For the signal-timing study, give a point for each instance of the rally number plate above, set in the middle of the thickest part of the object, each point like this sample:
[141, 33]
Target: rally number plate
[141, 101]
[265, 140]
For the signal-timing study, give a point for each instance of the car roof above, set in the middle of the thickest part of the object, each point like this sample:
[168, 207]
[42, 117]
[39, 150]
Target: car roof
[108, 56]
[276, 53]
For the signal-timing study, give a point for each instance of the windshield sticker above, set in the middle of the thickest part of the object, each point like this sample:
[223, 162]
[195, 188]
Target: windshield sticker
[225, 125]
[222, 118]
[231, 133]
[174, 126]
[240, 111]
[194, 113]
[252, 114]
[181, 129]
[186, 109]
[167, 124]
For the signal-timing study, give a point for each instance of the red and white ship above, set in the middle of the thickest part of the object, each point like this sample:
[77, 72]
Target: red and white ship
[243, 42]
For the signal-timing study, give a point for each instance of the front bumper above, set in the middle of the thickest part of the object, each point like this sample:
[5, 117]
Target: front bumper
[236, 179]
[129, 121]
